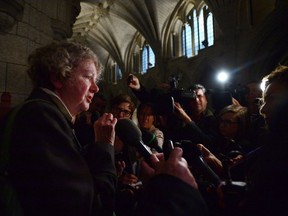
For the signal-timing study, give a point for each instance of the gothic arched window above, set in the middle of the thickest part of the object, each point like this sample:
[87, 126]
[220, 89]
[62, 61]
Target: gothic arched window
[187, 40]
[210, 29]
[147, 58]
[197, 32]
[118, 72]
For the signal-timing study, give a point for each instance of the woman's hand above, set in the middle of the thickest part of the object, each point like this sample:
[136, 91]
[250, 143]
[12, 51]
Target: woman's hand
[104, 128]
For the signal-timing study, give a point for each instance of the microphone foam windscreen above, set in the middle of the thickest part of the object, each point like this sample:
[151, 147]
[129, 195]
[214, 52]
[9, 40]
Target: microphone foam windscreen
[148, 137]
[128, 131]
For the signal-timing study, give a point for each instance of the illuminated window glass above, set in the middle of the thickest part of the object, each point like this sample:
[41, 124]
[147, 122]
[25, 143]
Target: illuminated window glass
[183, 34]
[147, 58]
[118, 72]
[151, 58]
[196, 33]
[187, 40]
[210, 29]
[144, 59]
[201, 29]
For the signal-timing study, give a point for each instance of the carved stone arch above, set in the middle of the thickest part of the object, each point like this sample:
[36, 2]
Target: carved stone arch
[133, 51]
[143, 41]
[172, 28]
[200, 6]
[108, 65]
[10, 13]
[188, 7]
[177, 40]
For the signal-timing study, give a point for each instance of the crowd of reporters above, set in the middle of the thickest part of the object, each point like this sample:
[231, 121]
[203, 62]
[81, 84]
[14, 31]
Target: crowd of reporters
[229, 139]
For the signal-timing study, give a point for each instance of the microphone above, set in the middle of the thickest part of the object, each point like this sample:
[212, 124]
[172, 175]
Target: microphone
[168, 146]
[130, 134]
[150, 140]
[194, 157]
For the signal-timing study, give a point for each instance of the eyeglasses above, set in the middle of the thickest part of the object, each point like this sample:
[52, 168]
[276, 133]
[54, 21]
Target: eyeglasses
[228, 122]
[118, 111]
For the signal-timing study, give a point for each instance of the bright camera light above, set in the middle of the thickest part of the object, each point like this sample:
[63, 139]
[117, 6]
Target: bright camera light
[222, 76]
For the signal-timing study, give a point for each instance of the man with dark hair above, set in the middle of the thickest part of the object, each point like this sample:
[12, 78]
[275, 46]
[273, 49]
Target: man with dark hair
[198, 120]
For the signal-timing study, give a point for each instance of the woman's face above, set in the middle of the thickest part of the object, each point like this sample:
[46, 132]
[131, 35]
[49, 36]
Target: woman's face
[77, 92]
[229, 125]
[145, 118]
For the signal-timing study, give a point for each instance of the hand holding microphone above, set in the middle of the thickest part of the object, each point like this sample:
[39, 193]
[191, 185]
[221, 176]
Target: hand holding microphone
[154, 164]
[176, 166]
[130, 134]
[150, 140]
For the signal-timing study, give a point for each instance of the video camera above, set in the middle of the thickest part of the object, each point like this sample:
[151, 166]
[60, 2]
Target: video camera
[180, 95]
[164, 103]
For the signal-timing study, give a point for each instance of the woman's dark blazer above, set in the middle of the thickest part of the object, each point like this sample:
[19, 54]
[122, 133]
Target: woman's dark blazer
[52, 173]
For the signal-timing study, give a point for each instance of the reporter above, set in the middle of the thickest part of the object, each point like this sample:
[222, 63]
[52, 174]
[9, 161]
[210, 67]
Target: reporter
[268, 189]
[142, 94]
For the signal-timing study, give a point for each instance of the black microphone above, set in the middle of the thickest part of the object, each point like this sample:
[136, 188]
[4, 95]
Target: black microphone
[194, 157]
[130, 134]
[168, 146]
[150, 140]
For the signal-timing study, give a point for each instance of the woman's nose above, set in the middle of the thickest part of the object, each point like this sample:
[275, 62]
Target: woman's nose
[94, 87]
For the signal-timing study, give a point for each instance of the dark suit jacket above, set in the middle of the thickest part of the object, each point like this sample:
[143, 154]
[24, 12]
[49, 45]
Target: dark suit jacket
[51, 172]
[169, 196]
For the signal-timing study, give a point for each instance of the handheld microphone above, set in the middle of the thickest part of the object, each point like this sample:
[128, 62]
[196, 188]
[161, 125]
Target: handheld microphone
[194, 156]
[168, 146]
[130, 134]
[150, 140]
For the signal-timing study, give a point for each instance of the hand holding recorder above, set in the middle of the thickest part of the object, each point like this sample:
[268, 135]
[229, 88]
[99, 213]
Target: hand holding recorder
[155, 164]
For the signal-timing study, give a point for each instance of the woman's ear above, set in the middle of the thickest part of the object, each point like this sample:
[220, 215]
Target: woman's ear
[56, 82]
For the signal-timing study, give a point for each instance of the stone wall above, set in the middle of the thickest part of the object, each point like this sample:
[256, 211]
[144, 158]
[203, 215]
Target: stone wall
[24, 26]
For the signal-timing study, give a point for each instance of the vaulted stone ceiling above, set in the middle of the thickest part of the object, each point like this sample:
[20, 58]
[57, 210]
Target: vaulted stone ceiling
[108, 26]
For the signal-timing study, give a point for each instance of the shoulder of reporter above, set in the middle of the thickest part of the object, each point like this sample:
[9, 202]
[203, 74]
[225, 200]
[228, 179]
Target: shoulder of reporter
[169, 189]
[164, 182]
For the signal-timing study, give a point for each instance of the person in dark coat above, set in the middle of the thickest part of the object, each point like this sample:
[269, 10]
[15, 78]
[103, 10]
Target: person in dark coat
[50, 170]
[268, 188]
